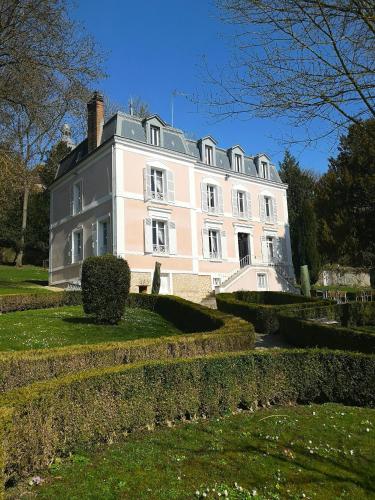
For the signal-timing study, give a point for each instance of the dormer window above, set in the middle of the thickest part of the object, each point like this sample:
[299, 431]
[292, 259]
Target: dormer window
[209, 155]
[155, 135]
[237, 163]
[264, 170]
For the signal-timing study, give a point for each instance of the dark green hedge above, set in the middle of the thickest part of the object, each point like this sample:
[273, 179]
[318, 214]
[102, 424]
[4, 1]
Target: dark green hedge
[105, 287]
[214, 332]
[263, 312]
[60, 415]
[302, 329]
[12, 303]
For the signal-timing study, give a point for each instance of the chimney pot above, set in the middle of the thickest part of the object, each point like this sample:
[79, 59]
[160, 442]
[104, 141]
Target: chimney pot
[95, 120]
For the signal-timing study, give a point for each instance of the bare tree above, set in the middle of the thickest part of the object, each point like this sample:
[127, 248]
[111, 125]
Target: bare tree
[300, 59]
[46, 67]
[139, 107]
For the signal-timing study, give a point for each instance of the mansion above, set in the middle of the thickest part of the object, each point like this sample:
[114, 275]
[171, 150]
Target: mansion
[216, 219]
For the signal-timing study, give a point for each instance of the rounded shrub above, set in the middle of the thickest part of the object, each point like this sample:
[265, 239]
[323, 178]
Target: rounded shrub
[105, 287]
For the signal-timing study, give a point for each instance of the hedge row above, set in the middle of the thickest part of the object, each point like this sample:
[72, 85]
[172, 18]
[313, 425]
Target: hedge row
[218, 332]
[56, 417]
[302, 329]
[11, 303]
[262, 308]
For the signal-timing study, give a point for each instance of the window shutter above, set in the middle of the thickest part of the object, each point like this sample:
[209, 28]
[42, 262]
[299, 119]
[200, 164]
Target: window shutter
[170, 186]
[220, 204]
[148, 235]
[69, 249]
[223, 244]
[94, 238]
[147, 183]
[110, 243]
[204, 197]
[248, 205]
[172, 237]
[71, 211]
[264, 249]
[205, 245]
[234, 203]
[262, 209]
[274, 210]
[279, 249]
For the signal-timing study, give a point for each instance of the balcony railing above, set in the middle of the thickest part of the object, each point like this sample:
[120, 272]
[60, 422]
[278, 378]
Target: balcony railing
[161, 249]
[155, 195]
[215, 255]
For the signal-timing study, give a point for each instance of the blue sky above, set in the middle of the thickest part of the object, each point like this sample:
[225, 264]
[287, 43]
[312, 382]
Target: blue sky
[155, 47]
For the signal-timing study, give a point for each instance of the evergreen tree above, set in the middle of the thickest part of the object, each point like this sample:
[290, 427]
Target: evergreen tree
[302, 218]
[346, 200]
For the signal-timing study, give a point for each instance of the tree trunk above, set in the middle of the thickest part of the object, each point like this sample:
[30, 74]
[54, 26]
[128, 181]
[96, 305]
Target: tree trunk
[24, 225]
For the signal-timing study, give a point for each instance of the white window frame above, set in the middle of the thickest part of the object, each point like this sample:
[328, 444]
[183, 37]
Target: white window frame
[209, 154]
[155, 135]
[214, 254]
[271, 243]
[76, 260]
[155, 195]
[267, 207]
[241, 213]
[159, 249]
[265, 169]
[259, 287]
[212, 195]
[238, 163]
[77, 202]
[101, 222]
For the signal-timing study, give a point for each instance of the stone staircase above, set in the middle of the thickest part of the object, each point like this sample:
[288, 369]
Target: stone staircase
[209, 301]
[286, 274]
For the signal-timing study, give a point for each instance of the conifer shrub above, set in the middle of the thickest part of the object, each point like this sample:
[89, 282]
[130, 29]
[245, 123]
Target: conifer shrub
[105, 288]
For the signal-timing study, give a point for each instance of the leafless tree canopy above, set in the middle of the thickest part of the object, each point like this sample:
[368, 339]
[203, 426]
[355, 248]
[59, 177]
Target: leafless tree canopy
[303, 59]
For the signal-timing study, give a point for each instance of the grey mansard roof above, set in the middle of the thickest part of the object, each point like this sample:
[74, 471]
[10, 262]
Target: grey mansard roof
[133, 128]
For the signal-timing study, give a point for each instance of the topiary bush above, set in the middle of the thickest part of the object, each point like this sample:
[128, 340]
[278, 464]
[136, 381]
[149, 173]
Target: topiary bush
[105, 288]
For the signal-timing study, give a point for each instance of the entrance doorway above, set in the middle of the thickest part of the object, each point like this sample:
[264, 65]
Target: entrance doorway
[244, 249]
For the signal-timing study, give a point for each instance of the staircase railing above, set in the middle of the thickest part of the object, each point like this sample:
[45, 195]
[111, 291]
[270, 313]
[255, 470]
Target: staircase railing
[245, 261]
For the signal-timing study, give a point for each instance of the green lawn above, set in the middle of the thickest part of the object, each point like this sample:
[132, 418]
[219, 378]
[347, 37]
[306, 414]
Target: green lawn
[322, 452]
[44, 328]
[27, 279]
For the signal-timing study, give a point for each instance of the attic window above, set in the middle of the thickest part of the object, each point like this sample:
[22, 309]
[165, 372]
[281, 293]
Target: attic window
[209, 155]
[155, 135]
[264, 170]
[237, 163]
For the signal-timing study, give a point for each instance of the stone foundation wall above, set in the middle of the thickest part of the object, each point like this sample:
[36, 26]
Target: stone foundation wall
[191, 286]
[140, 279]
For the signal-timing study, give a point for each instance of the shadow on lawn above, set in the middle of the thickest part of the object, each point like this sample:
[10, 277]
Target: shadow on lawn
[80, 321]
[37, 282]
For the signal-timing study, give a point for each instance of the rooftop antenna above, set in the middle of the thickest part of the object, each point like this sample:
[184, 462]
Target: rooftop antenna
[175, 93]
[131, 111]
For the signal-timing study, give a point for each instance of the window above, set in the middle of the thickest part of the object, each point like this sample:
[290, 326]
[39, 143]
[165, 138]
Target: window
[77, 198]
[157, 184]
[264, 170]
[209, 155]
[211, 198]
[262, 281]
[159, 236]
[237, 163]
[103, 237]
[155, 135]
[267, 207]
[77, 246]
[270, 248]
[241, 203]
[214, 244]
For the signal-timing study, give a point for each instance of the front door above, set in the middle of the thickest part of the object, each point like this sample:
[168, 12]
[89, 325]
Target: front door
[243, 249]
[164, 284]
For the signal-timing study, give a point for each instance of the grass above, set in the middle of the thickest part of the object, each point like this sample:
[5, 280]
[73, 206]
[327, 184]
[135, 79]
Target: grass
[27, 279]
[318, 451]
[45, 328]
[366, 329]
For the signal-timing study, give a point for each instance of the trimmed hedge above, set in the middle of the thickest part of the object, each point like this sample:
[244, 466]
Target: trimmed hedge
[12, 303]
[58, 416]
[301, 328]
[105, 287]
[214, 332]
[262, 308]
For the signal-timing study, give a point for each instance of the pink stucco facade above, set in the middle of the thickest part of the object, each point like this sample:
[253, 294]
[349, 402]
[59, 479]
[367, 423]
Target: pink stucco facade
[148, 204]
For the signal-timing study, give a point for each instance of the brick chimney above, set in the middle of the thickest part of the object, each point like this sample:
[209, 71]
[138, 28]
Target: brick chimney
[95, 120]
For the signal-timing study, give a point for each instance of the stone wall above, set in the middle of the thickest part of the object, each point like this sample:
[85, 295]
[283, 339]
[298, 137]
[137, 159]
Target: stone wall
[192, 287]
[344, 276]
